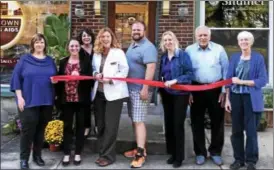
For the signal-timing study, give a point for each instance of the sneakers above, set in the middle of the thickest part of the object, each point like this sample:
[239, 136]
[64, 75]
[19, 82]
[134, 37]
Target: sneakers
[200, 160]
[236, 165]
[132, 153]
[217, 160]
[139, 158]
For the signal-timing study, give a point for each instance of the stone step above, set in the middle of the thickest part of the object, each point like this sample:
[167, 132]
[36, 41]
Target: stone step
[155, 137]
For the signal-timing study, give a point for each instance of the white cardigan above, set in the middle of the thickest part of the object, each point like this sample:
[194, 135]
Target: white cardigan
[115, 66]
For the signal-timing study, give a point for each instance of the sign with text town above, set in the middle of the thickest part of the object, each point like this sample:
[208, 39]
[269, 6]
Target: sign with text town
[11, 23]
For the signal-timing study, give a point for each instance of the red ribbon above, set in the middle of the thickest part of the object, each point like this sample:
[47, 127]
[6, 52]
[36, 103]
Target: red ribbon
[150, 82]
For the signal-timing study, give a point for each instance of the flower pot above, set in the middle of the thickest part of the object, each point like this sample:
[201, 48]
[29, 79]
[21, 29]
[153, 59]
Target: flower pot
[54, 147]
[269, 116]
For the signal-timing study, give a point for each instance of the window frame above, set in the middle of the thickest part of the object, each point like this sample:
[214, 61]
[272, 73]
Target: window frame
[270, 39]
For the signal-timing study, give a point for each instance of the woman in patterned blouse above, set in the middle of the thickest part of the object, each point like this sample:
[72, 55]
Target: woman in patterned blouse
[74, 96]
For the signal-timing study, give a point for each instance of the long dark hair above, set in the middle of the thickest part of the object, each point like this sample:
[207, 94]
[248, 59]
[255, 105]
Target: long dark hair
[89, 32]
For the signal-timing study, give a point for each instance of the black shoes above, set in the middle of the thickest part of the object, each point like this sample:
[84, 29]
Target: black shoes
[177, 164]
[24, 164]
[77, 162]
[66, 163]
[38, 160]
[236, 165]
[170, 160]
[251, 166]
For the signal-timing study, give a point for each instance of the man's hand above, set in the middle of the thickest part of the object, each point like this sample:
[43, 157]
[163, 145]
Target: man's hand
[228, 106]
[144, 94]
[222, 99]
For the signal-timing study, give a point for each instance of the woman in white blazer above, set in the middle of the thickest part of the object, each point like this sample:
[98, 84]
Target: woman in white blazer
[108, 95]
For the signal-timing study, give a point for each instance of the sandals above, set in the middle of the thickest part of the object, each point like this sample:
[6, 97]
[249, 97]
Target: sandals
[102, 162]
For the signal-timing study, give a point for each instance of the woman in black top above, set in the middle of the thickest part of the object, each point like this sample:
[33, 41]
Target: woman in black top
[75, 98]
[86, 39]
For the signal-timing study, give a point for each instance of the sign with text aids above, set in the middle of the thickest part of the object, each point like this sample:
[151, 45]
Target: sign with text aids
[12, 23]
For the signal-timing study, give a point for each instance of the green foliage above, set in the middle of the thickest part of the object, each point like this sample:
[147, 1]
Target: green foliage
[56, 31]
[224, 15]
[9, 128]
[268, 98]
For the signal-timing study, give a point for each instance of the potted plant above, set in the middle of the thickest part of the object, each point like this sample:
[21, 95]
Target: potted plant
[267, 116]
[268, 111]
[54, 134]
[56, 31]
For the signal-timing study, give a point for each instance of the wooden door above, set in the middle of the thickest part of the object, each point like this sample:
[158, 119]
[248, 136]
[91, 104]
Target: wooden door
[122, 14]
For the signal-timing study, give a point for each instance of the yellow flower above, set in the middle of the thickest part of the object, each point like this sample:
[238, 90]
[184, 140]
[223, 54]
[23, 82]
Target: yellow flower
[54, 132]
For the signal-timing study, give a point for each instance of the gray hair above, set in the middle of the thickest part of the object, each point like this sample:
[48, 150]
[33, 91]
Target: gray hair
[174, 39]
[246, 34]
[204, 28]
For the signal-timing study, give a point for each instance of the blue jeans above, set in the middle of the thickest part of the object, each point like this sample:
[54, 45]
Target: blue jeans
[243, 118]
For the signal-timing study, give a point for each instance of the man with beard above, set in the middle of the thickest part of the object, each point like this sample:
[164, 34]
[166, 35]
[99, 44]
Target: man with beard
[210, 64]
[142, 59]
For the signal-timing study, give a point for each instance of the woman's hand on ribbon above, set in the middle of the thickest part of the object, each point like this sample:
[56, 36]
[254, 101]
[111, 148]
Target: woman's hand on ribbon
[236, 80]
[170, 83]
[75, 73]
[53, 81]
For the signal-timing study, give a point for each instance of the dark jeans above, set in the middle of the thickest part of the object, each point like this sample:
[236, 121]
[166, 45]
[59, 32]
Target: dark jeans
[243, 118]
[108, 115]
[69, 109]
[33, 120]
[203, 100]
[175, 107]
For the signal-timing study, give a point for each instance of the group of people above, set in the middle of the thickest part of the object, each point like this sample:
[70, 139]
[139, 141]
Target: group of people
[202, 63]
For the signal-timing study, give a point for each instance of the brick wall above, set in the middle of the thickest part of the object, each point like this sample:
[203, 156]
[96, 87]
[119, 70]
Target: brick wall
[182, 29]
[95, 23]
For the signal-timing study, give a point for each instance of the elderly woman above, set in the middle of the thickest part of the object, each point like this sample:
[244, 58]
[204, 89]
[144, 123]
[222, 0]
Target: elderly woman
[75, 98]
[35, 98]
[245, 100]
[108, 61]
[86, 39]
[175, 68]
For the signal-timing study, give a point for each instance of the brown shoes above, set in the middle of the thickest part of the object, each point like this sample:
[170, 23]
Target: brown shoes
[103, 162]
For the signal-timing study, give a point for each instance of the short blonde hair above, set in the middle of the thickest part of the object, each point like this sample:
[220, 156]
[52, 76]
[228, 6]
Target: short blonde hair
[174, 39]
[246, 34]
[98, 47]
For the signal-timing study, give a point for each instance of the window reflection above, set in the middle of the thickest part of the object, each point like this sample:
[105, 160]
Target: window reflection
[126, 14]
[251, 14]
[228, 39]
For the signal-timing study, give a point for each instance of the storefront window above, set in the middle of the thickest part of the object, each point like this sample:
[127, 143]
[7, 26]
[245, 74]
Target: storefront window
[228, 18]
[126, 14]
[249, 14]
[20, 20]
[228, 38]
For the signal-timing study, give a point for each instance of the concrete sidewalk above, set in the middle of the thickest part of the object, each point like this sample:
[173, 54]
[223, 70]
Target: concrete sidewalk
[10, 150]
